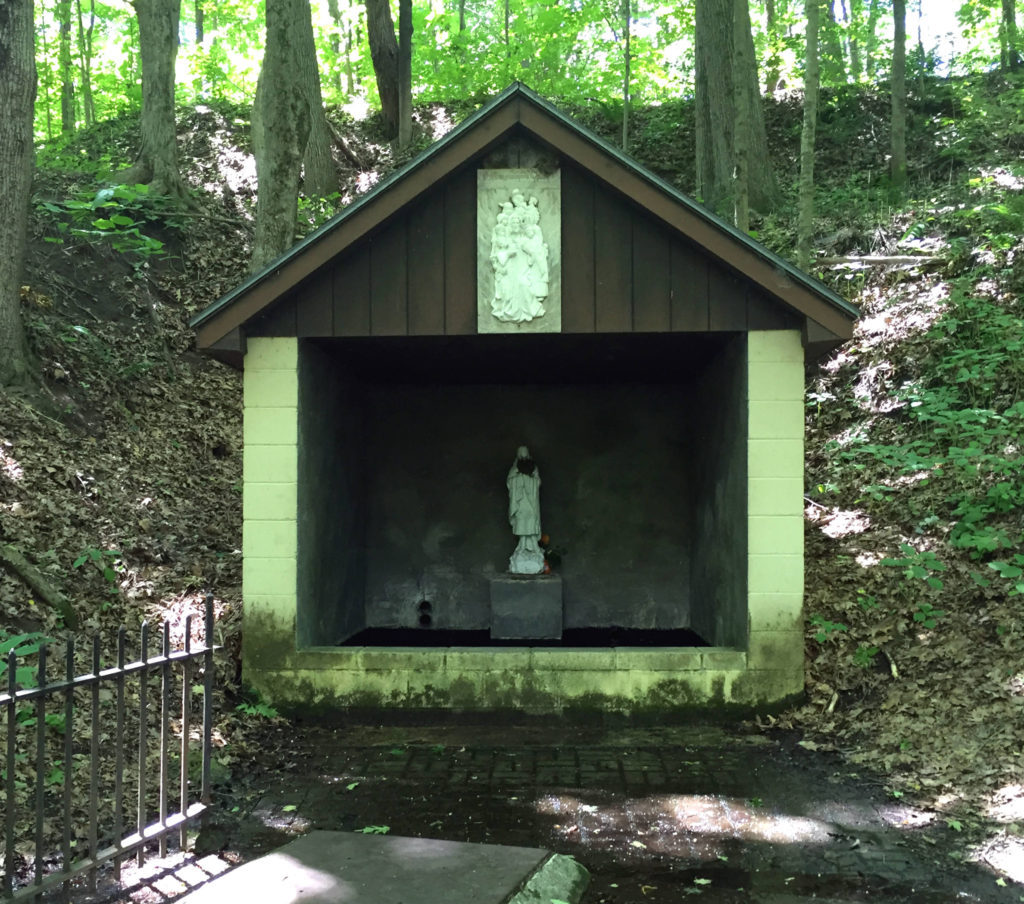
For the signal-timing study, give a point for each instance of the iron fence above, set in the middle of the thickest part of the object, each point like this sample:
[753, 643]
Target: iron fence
[50, 789]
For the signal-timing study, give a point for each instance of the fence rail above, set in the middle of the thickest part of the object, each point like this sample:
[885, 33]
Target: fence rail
[26, 708]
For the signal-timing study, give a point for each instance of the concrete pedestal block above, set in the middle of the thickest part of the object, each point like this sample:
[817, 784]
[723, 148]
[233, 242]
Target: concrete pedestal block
[527, 606]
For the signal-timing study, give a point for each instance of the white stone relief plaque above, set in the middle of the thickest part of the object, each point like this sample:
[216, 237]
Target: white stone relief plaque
[519, 251]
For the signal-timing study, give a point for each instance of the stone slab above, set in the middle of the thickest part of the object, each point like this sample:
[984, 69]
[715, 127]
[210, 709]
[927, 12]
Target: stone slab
[526, 607]
[350, 868]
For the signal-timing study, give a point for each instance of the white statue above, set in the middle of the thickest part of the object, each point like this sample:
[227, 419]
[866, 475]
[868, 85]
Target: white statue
[524, 514]
[519, 256]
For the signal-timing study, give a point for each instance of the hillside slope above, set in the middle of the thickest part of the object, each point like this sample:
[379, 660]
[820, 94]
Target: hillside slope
[914, 469]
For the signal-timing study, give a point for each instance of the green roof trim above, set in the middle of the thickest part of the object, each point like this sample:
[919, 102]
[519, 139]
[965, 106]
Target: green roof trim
[517, 89]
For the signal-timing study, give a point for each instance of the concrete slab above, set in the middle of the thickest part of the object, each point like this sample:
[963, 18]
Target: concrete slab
[349, 868]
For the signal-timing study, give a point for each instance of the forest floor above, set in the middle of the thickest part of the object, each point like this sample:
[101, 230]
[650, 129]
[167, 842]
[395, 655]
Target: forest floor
[120, 480]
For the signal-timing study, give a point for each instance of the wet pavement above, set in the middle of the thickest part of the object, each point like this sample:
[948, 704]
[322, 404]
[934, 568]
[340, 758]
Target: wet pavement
[656, 814]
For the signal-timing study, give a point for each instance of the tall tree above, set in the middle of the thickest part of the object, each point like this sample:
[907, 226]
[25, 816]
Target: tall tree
[805, 218]
[404, 72]
[67, 79]
[898, 116]
[725, 81]
[85, 60]
[1009, 56]
[157, 163]
[17, 98]
[200, 17]
[317, 162]
[626, 73]
[380, 29]
[280, 129]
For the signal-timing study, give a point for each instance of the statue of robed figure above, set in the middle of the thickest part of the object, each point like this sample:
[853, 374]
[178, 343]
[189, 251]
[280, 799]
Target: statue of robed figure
[524, 514]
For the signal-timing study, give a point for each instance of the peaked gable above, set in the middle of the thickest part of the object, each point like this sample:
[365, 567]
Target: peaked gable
[519, 111]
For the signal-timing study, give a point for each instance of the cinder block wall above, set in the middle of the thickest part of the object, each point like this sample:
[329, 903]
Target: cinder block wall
[269, 499]
[775, 537]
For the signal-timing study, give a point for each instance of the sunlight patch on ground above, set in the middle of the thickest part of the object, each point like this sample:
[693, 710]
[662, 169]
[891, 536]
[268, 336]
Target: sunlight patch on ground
[679, 825]
[440, 123]
[838, 523]
[358, 108]
[366, 180]
[12, 470]
[1003, 178]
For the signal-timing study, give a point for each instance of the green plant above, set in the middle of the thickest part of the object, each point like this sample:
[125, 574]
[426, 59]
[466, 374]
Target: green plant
[374, 830]
[927, 616]
[826, 628]
[107, 562]
[22, 645]
[259, 709]
[918, 565]
[864, 655]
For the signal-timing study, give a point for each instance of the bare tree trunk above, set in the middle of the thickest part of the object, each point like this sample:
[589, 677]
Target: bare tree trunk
[832, 44]
[47, 76]
[741, 133]
[714, 103]
[380, 29]
[318, 163]
[805, 219]
[898, 119]
[462, 15]
[871, 42]
[404, 73]
[627, 29]
[1008, 56]
[774, 61]
[157, 163]
[67, 81]
[762, 188]
[280, 130]
[200, 17]
[856, 18]
[85, 60]
[18, 77]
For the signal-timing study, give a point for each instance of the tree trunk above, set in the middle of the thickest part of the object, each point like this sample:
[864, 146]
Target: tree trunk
[763, 191]
[47, 76]
[627, 28]
[805, 218]
[18, 76]
[85, 60]
[871, 38]
[404, 73]
[462, 15]
[1009, 57]
[774, 62]
[714, 103]
[832, 45]
[67, 81]
[742, 130]
[856, 20]
[318, 164]
[898, 119]
[280, 129]
[380, 29]
[157, 163]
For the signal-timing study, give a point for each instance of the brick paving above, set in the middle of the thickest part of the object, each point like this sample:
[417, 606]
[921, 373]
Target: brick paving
[657, 810]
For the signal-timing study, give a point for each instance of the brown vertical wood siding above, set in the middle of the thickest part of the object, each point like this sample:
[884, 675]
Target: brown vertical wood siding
[622, 272]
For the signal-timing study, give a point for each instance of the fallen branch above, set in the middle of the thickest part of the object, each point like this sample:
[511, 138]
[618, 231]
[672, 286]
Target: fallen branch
[346, 151]
[876, 260]
[17, 564]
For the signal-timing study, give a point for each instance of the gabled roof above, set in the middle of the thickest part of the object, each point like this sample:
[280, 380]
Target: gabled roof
[517, 107]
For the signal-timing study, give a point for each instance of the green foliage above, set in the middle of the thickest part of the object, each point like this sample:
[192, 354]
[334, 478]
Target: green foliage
[865, 655]
[23, 645]
[115, 215]
[106, 561]
[918, 565]
[826, 629]
[374, 830]
[927, 616]
[260, 710]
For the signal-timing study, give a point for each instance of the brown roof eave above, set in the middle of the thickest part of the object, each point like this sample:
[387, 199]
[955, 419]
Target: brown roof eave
[719, 244]
[297, 267]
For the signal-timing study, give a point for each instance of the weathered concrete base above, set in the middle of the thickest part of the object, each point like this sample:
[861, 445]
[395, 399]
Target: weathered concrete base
[560, 878]
[349, 868]
[526, 606]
